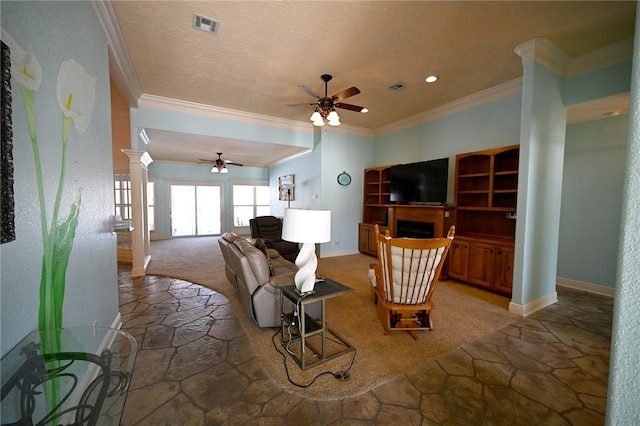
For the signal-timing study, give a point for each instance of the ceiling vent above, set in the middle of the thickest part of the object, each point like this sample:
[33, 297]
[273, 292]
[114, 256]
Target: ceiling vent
[205, 24]
[397, 86]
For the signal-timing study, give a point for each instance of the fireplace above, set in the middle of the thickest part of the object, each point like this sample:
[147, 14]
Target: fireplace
[413, 229]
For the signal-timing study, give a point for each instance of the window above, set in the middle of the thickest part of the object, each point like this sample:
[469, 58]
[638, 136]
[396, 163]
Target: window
[151, 206]
[250, 201]
[122, 196]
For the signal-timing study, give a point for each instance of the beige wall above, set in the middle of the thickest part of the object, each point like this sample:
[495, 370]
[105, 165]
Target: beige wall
[120, 124]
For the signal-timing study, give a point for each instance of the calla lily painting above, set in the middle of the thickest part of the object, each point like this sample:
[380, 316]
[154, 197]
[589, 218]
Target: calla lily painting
[75, 92]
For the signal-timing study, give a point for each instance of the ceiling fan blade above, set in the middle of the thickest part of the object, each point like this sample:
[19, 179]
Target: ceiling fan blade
[347, 93]
[348, 106]
[301, 104]
[309, 91]
[202, 160]
[231, 163]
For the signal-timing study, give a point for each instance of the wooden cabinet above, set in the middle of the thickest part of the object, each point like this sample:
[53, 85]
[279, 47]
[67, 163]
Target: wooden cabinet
[485, 196]
[483, 263]
[458, 259]
[367, 238]
[503, 278]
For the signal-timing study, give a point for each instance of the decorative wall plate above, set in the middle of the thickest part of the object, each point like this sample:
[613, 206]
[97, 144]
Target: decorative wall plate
[344, 178]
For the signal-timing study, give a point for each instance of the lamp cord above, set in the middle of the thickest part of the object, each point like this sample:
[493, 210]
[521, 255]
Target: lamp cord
[286, 368]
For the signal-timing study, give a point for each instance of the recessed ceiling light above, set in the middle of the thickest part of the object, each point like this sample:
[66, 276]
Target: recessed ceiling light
[612, 113]
[431, 79]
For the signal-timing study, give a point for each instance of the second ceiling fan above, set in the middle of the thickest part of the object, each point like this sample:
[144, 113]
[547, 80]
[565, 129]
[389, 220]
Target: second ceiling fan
[219, 165]
[325, 106]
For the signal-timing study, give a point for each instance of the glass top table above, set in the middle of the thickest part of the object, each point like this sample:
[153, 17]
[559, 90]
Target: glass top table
[75, 375]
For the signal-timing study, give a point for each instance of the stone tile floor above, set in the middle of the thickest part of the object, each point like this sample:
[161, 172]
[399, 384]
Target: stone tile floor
[195, 367]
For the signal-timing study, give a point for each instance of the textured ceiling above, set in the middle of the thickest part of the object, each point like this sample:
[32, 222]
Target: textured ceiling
[264, 50]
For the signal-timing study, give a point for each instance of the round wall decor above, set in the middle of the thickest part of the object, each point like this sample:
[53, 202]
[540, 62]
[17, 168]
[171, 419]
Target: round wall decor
[344, 178]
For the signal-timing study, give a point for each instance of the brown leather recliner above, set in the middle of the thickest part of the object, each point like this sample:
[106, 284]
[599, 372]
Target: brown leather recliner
[269, 228]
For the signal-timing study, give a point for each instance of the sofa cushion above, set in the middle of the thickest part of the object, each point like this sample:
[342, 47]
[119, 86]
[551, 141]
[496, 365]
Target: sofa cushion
[260, 245]
[257, 260]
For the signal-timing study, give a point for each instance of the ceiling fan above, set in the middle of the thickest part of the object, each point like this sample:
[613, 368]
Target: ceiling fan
[219, 165]
[325, 106]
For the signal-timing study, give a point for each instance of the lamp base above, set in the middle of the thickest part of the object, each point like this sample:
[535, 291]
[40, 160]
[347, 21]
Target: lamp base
[307, 262]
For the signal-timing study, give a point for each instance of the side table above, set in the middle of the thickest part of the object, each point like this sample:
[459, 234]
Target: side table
[299, 331]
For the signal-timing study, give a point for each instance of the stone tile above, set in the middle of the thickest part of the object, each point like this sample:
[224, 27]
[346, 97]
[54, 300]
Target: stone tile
[361, 407]
[180, 318]
[197, 356]
[144, 401]
[537, 351]
[177, 411]
[281, 405]
[260, 391]
[581, 382]
[205, 388]
[508, 407]
[158, 336]
[305, 413]
[429, 378]
[493, 373]
[226, 328]
[151, 366]
[393, 415]
[457, 363]
[330, 411]
[233, 413]
[585, 417]
[135, 321]
[398, 391]
[594, 403]
[464, 397]
[484, 351]
[545, 389]
[240, 351]
[434, 408]
[522, 361]
[595, 366]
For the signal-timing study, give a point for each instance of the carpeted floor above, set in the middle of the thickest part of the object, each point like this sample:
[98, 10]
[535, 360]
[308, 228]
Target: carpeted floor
[462, 314]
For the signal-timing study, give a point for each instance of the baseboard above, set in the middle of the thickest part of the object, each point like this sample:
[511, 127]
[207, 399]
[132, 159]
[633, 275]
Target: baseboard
[583, 286]
[536, 305]
[117, 322]
[338, 253]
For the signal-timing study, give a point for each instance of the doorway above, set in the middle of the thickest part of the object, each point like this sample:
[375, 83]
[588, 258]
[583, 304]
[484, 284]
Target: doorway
[195, 210]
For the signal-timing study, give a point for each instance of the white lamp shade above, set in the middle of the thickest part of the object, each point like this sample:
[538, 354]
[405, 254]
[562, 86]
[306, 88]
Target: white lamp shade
[214, 169]
[224, 170]
[306, 226]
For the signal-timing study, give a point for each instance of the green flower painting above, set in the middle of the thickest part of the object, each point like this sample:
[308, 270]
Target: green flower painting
[75, 93]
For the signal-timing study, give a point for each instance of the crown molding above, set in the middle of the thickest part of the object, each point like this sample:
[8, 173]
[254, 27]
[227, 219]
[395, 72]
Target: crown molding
[121, 68]
[503, 90]
[617, 52]
[193, 108]
[542, 50]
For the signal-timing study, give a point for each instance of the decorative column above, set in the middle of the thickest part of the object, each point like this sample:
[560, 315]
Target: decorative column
[138, 171]
[542, 140]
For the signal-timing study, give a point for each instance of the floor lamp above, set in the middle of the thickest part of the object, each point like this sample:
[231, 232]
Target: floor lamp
[307, 227]
[289, 188]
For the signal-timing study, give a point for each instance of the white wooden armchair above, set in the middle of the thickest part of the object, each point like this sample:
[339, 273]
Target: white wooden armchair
[406, 275]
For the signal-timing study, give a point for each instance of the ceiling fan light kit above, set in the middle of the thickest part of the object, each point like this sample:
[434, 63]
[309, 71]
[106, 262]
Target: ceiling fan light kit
[220, 165]
[326, 106]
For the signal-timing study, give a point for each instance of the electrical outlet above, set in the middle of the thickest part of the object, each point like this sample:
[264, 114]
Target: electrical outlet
[337, 242]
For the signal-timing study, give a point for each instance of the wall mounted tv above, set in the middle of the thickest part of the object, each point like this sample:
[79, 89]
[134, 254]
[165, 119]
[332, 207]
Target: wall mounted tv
[424, 182]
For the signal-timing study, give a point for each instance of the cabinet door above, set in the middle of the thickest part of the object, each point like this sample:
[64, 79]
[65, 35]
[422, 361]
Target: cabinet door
[504, 269]
[363, 238]
[459, 260]
[481, 264]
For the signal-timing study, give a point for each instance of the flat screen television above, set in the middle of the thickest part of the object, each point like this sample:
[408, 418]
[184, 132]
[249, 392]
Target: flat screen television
[424, 182]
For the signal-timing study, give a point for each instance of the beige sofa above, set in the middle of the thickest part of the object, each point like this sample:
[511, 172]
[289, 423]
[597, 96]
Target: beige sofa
[257, 278]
